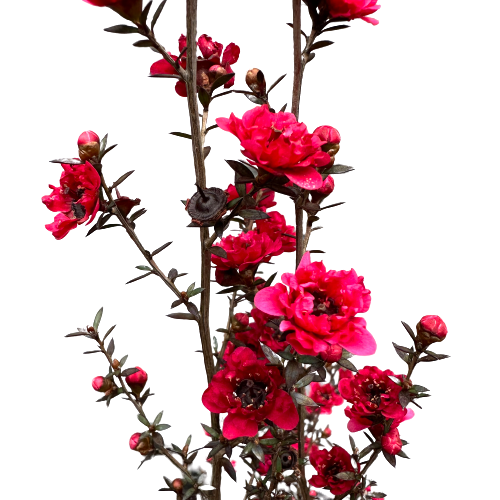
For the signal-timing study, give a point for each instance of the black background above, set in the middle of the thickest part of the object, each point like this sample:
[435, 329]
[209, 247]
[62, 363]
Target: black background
[393, 228]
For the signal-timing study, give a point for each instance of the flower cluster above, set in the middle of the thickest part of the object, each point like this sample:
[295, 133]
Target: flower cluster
[212, 65]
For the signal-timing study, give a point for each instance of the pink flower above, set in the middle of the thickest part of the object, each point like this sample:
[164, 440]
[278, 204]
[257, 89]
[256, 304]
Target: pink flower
[209, 67]
[351, 9]
[137, 380]
[374, 397]
[326, 396]
[276, 228]
[332, 353]
[277, 143]
[391, 442]
[329, 135]
[319, 307]
[76, 198]
[248, 391]
[244, 254]
[274, 339]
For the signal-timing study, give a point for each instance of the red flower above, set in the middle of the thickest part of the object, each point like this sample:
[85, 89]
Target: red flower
[332, 353]
[319, 307]
[431, 329]
[279, 144]
[374, 397]
[129, 9]
[391, 442]
[351, 9]
[244, 254]
[328, 134]
[328, 464]
[276, 228]
[248, 391]
[344, 373]
[326, 396]
[137, 380]
[264, 197]
[125, 204]
[209, 67]
[77, 198]
[260, 333]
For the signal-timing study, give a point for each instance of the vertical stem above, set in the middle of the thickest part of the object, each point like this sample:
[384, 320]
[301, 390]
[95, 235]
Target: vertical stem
[297, 59]
[199, 166]
[299, 231]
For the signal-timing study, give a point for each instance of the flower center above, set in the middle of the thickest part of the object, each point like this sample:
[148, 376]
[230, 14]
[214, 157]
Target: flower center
[79, 210]
[251, 393]
[332, 471]
[324, 306]
[373, 392]
[75, 194]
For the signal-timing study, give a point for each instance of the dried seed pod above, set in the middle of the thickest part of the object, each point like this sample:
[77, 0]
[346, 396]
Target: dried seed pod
[256, 81]
[288, 459]
[207, 206]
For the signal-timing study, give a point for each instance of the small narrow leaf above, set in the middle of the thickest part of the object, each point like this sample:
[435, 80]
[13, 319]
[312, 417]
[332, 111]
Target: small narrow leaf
[122, 29]
[97, 319]
[144, 16]
[302, 399]
[211, 431]
[158, 250]
[139, 277]
[304, 381]
[143, 43]
[157, 420]
[253, 214]
[221, 81]
[219, 251]
[320, 45]
[276, 83]
[187, 316]
[345, 363]
[111, 347]
[157, 14]
[228, 467]
[143, 420]
[121, 179]
[162, 427]
[181, 134]
[273, 358]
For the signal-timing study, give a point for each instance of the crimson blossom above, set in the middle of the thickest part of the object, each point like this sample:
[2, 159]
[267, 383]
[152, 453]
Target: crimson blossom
[326, 396]
[351, 9]
[276, 227]
[129, 9]
[249, 392]
[375, 397]
[319, 308]
[136, 381]
[209, 67]
[279, 144]
[76, 198]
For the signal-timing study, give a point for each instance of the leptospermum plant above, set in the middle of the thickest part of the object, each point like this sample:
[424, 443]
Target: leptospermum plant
[285, 357]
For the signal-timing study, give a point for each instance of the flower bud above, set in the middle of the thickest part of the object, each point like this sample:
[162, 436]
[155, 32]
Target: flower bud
[216, 71]
[256, 81]
[143, 446]
[137, 380]
[101, 384]
[332, 354]
[115, 364]
[391, 442]
[330, 135]
[207, 206]
[88, 145]
[240, 322]
[431, 329]
[325, 190]
[177, 485]
[129, 9]
[327, 432]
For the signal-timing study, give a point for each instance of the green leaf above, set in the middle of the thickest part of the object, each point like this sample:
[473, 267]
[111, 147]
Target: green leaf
[270, 355]
[97, 319]
[270, 280]
[194, 292]
[390, 458]
[302, 399]
[346, 476]
[251, 214]
[309, 360]
[123, 360]
[304, 381]
[338, 169]
[335, 28]
[143, 43]
[268, 441]
[122, 29]
[258, 453]
[276, 83]
[144, 16]
[219, 251]
[221, 81]
[108, 332]
[187, 316]
[211, 431]
[157, 420]
[419, 388]
[162, 427]
[320, 45]
[285, 355]
[144, 268]
[188, 493]
[181, 134]
[345, 363]
[121, 179]
[204, 98]
[228, 467]
[157, 13]
[143, 420]
[240, 168]
[111, 347]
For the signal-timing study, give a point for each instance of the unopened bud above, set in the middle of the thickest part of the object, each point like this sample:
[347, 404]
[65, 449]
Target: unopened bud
[325, 190]
[88, 145]
[327, 432]
[102, 384]
[431, 329]
[240, 322]
[332, 354]
[216, 71]
[330, 135]
[177, 485]
[256, 81]
[143, 446]
[137, 380]
[116, 364]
